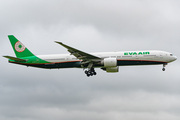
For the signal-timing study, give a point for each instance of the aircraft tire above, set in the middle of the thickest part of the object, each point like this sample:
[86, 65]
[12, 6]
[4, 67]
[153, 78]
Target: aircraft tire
[86, 72]
[91, 73]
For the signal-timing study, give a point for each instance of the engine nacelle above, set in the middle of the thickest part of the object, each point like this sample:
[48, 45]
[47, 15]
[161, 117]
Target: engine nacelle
[111, 69]
[109, 62]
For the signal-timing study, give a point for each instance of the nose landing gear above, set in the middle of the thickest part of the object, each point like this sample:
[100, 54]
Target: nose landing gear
[164, 65]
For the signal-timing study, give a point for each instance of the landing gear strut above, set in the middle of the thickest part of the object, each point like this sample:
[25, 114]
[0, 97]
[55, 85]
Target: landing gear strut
[164, 65]
[90, 72]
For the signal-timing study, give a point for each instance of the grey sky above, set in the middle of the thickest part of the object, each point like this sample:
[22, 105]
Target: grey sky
[135, 93]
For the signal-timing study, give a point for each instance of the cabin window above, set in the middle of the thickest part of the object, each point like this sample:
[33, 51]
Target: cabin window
[105, 57]
[62, 59]
[149, 55]
[55, 59]
[113, 56]
[171, 54]
[126, 56]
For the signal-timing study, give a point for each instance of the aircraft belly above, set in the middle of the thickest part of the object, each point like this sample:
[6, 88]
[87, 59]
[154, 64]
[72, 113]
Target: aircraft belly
[138, 62]
[60, 65]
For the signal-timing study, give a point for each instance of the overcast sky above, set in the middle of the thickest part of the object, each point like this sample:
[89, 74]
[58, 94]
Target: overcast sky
[135, 93]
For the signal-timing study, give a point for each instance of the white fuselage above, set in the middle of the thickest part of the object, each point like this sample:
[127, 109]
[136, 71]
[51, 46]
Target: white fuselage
[154, 55]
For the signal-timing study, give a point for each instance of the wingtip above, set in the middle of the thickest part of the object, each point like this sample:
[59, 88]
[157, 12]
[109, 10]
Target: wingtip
[58, 42]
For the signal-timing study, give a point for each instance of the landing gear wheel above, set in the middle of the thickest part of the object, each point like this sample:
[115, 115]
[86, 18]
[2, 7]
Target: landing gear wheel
[163, 69]
[86, 72]
[90, 72]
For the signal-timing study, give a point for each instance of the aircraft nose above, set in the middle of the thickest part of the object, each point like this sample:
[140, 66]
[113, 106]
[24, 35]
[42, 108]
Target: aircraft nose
[175, 58]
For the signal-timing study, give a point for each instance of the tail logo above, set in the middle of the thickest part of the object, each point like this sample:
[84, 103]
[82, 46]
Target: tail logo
[19, 47]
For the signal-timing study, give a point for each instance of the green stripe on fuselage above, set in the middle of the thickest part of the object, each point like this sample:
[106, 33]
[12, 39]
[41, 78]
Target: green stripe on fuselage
[32, 60]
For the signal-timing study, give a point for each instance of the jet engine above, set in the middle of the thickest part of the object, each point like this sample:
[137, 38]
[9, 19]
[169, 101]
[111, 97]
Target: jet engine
[110, 65]
[109, 62]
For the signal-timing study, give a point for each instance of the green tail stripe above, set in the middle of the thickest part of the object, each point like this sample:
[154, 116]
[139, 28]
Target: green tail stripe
[19, 49]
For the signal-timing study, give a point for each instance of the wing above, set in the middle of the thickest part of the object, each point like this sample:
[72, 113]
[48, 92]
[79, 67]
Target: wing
[79, 54]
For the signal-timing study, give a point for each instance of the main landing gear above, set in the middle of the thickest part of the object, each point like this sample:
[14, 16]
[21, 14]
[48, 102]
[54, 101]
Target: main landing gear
[164, 65]
[90, 72]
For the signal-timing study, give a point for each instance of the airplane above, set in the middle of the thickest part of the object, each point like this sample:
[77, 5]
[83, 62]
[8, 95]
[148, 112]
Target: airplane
[107, 61]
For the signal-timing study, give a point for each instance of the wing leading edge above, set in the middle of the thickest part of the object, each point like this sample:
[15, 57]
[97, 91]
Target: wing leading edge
[79, 54]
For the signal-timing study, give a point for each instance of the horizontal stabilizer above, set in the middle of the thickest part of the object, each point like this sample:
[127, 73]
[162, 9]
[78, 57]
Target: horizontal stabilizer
[14, 58]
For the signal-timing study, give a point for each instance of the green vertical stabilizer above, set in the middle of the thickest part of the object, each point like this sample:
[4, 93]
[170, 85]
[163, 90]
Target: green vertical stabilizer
[19, 49]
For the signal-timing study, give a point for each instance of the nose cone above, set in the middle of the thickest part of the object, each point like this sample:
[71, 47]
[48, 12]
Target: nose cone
[175, 58]
[172, 58]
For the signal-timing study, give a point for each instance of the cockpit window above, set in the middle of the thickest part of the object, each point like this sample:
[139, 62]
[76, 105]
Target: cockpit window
[171, 54]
